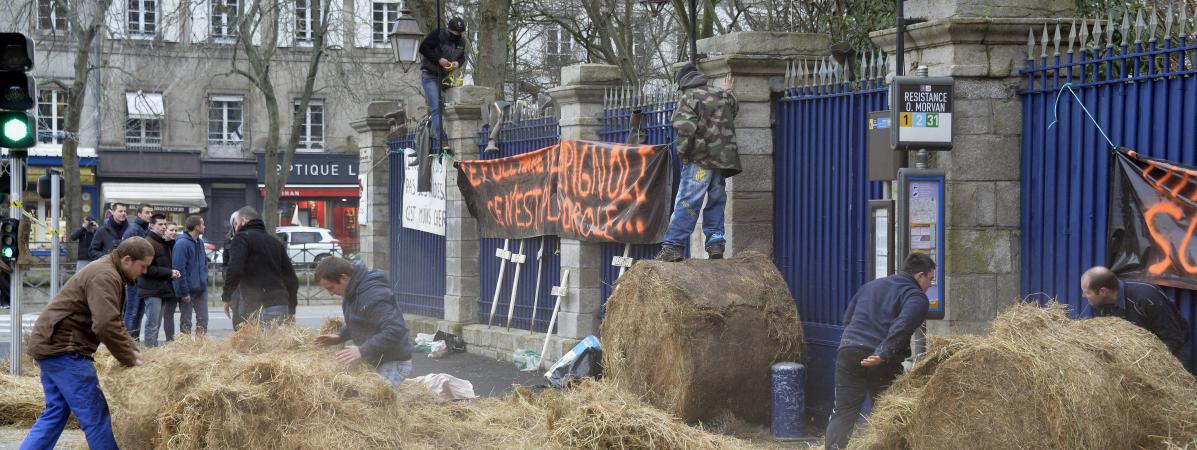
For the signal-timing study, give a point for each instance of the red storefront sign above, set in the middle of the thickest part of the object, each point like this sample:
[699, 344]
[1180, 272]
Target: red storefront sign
[307, 192]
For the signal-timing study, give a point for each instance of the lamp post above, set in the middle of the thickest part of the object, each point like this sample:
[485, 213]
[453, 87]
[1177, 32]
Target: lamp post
[656, 6]
[405, 39]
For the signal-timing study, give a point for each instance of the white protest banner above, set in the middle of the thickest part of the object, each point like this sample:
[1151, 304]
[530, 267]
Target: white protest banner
[424, 211]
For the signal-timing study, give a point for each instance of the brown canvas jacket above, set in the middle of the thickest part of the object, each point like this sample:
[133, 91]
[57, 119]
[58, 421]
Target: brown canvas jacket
[86, 312]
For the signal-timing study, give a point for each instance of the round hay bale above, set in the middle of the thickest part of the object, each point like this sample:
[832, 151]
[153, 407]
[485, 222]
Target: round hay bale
[698, 337]
[1038, 380]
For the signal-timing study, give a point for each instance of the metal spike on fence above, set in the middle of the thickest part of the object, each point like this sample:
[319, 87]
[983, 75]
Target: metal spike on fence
[1056, 41]
[1125, 27]
[1043, 42]
[881, 68]
[1031, 43]
[1097, 33]
[1152, 27]
[1071, 35]
[1139, 27]
[1192, 23]
[1168, 22]
[1182, 20]
[1110, 30]
[864, 65]
[1084, 35]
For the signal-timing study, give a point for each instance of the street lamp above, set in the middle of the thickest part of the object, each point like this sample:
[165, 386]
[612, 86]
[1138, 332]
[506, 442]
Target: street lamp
[405, 39]
[656, 6]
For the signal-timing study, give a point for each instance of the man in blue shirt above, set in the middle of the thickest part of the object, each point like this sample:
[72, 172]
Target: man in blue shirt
[1139, 303]
[878, 324]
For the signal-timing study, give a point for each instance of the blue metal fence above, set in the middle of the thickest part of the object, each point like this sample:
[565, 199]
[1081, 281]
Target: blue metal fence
[417, 258]
[615, 124]
[1144, 95]
[515, 138]
[821, 197]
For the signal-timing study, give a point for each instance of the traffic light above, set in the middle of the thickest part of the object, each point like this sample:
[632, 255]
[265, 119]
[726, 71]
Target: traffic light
[9, 248]
[18, 94]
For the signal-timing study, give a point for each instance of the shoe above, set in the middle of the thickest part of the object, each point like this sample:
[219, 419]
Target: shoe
[669, 253]
[715, 251]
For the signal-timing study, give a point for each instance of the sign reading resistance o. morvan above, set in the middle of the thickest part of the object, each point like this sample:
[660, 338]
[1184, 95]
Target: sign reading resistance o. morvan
[589, 191]
[921, 113]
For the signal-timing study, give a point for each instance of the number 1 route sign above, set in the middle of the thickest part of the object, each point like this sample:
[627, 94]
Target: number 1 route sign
[921, 111]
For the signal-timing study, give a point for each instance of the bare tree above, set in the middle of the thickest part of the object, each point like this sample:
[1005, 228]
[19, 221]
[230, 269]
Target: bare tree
[260, 59]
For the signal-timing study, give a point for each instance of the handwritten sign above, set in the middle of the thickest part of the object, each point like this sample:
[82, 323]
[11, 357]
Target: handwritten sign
[424, 211]
[1152, 220]
[590, 191]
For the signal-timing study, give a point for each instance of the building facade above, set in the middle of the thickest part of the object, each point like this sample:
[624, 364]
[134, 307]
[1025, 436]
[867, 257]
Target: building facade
[172, 118]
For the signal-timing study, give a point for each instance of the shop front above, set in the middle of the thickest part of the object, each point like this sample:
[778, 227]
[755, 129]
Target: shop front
[36, 165]
[322, 192]
[178, 184]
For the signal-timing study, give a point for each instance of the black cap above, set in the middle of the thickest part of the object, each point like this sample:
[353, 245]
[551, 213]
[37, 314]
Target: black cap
[681, 73]
[456, 24]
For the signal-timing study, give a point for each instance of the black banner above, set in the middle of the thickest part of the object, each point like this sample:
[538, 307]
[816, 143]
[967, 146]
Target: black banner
[589, 191]
[1153, 216]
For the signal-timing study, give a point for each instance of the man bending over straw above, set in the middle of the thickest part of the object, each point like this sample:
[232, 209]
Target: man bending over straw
[372, 318]
[86, 312]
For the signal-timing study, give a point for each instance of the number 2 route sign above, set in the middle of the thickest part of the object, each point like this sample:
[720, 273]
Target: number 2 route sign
[921, 113]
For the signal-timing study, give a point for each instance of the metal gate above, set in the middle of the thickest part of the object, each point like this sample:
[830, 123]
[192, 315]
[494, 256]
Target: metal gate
[518, 137]
[615, 124]
[821, 199]
[417, 258]
[1141, 88]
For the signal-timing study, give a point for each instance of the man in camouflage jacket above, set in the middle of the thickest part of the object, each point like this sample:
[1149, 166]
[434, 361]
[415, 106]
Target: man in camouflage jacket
[706, 143]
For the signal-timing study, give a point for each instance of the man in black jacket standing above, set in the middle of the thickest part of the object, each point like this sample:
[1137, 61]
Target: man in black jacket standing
[443, 51]
[84, 236]
[139, 224]
[154, 287]
[372, 319]
[258, 265]
[109, 235]
[878, 324]
[1139, 303]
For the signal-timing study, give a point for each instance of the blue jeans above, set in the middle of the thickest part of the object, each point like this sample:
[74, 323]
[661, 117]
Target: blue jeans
[153, 320]
[432, 96]
[696, 183]
[134, 309]
[394, 371]
[198, 304]
[71, 386]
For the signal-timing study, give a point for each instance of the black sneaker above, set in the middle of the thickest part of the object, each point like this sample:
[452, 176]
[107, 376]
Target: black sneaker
[669, 253]
[715, 251]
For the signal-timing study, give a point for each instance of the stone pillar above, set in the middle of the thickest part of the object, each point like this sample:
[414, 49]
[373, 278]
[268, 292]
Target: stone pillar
[462, 120]
[756, 61]
[580, 100]
[983, 47]
[374, 238]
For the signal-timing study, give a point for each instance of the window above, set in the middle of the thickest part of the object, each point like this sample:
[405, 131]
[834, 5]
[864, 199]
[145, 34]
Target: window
[304, 237]
[307, 14]
[311, 131]
[225, 121]
[51, 15]
[639, 43]
[224, 13]
[382, 20]
[143, 17]
[559, 46]
[51, 115]
[143, 127]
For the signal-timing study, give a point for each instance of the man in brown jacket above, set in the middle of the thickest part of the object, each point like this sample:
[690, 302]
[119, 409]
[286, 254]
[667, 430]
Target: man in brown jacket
[86, 312]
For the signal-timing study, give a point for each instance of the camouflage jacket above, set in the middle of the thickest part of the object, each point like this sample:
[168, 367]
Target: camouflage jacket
[705, 122]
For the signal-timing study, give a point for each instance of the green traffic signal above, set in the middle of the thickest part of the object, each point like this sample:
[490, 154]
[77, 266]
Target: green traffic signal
[8, 253]
[17, 130]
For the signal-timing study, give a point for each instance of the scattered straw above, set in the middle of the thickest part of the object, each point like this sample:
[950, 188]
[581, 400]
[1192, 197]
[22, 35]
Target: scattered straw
[1038, 380]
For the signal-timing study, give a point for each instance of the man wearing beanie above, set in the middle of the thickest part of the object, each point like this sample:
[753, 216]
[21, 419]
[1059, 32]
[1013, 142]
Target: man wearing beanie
[706, 143]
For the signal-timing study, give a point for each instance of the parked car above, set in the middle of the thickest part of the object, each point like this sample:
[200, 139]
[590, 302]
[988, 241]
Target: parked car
[214, 253]
[309, 245]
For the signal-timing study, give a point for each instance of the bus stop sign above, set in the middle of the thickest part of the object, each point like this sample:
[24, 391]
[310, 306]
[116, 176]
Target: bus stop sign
[921, 113]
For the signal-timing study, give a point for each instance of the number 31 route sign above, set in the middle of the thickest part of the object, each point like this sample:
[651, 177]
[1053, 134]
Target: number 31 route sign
[921, 109]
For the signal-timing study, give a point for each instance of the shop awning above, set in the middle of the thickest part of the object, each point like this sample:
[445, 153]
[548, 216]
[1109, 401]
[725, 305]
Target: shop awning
[158, 194]
[144, 105]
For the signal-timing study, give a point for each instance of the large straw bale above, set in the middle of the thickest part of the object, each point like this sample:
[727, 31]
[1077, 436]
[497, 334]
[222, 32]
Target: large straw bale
[1038, 380]
[697, 338]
